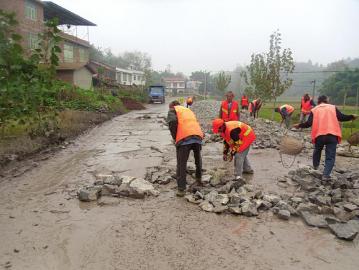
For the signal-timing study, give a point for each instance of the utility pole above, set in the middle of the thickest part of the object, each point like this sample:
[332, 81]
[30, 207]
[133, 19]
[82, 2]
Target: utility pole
[313, 82]
[205, 84]
[357, 101]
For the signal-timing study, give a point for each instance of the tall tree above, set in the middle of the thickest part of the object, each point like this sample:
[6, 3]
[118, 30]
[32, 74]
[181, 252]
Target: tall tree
[222, 81]
[269, 72]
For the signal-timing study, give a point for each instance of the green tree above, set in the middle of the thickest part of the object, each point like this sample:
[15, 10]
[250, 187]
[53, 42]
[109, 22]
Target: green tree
[269, 72]
[222, 81]
[340, 84]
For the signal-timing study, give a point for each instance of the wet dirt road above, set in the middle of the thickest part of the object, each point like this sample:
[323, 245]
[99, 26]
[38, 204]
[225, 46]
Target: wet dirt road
[44, 227]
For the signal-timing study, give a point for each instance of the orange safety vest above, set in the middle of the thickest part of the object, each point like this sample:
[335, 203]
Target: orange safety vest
[189, 101]
[233, 114]
[289, 108]
[246, 137]
[306, 106]
[187, 124]
[325, 122]
[244, 101]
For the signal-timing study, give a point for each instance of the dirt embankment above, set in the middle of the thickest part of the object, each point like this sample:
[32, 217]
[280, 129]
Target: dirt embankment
[71, 123]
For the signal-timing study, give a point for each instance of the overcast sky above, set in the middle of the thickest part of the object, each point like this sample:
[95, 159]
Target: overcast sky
[219, 35]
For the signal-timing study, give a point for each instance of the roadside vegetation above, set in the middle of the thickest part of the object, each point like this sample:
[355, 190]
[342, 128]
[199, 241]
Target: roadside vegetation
[36, 109]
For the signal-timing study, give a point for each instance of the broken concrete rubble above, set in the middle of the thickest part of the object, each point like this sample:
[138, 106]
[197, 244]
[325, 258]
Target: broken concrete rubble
[116, 186]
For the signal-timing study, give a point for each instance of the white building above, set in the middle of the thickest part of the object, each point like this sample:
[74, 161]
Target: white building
[194, 85]
[175, 84]
[130, 77]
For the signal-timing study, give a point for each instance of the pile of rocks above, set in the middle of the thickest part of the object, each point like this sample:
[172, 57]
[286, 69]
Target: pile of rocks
[269, 133]
[115, 186]
[333, 204]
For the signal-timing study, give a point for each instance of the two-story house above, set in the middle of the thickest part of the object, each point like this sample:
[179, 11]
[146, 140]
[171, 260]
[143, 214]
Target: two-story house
[175, 84]
[74, 57]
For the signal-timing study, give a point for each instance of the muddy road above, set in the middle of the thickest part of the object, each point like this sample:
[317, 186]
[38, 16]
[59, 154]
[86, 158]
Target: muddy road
[44, 226]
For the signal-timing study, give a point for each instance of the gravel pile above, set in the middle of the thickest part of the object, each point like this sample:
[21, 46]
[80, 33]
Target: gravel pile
[269, 133]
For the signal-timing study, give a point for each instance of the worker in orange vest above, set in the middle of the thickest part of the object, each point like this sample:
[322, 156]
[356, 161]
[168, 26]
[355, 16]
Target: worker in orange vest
[229, 110]
[244, 102]
[189, 102]
[187, 134]
[324, 120]
[237, 139]
[286, 112]
[254, 107]
[306, 105]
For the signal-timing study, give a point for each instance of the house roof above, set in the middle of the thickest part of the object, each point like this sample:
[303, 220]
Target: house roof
[73, 66]
[52, 10]
[130, 71]
[93, 64]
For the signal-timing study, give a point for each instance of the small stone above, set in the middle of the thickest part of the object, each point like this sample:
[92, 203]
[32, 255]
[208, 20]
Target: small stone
[109, 179]
[347, 231]
[108, 190]
[88, 194]
[350, 207]
[249, 209]
[220, 208]
[271, 198]
[206, 206]
[199, 195]
[211, 196]
[206, 178]
[190, 198]
[16, 250]
[314, 220]
[142, 186]
[283, 214]
[296, 199]
[235, 210]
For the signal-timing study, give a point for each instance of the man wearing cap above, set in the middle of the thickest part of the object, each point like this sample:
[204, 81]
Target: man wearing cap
[286, 112]
[237, 138]
[187, 134]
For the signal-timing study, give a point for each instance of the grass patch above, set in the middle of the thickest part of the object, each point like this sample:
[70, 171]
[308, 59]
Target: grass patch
[267, 109]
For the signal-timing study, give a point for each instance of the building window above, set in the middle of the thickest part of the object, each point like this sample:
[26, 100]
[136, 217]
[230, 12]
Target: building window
[124, 76]
[174, 85]
[134, 77]
[30, 11]
[83, 55]
[68, 53]
[32, 41]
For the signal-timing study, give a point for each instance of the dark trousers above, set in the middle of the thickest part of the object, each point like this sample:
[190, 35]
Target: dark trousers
[182, 152]
[244, 107]
[330, 142]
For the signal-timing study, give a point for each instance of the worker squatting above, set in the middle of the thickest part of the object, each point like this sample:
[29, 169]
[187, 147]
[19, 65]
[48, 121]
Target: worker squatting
[238, 136]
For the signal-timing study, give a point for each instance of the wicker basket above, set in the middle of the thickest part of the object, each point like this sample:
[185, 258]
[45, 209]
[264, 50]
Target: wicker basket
[290, 146]
[354, 138]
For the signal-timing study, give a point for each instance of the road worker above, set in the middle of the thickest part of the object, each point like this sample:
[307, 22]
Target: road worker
[237, 138]
[189, 102]
[306, 105]
[229, 110]
[187, 134]
[324, 120]
[286, 112]
[254, 107]
[244, 102]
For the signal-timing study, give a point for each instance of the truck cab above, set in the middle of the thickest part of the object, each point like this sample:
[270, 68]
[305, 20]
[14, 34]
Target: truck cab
[156, 93]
